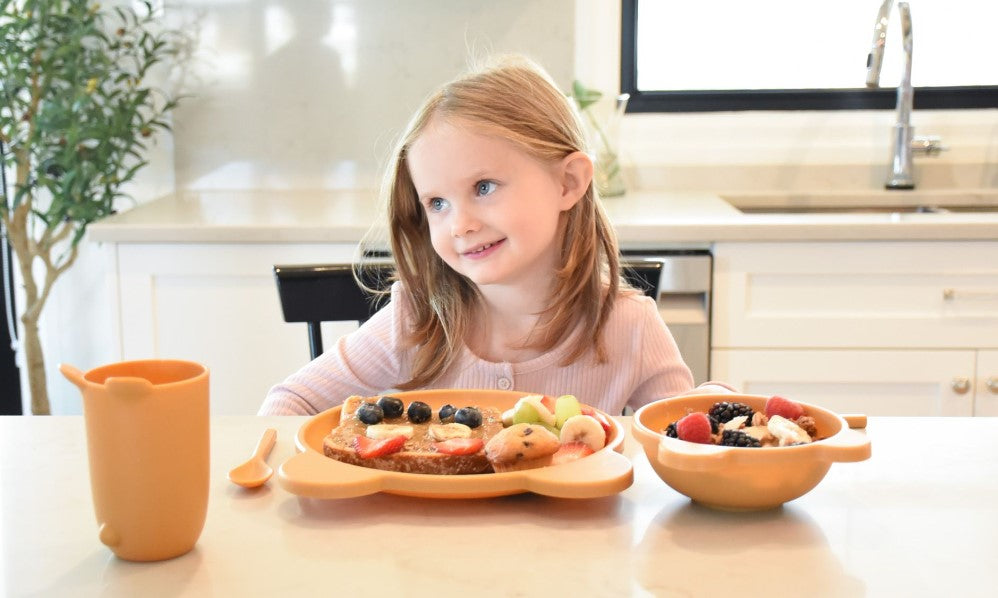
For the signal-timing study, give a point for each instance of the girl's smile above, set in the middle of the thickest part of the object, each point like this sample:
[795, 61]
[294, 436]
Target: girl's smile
[483, 251]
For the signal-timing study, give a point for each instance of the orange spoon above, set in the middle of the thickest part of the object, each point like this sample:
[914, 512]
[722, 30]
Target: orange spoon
[256, 472]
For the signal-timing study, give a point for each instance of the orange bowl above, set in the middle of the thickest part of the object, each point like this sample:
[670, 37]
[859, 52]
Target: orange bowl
[735, 478]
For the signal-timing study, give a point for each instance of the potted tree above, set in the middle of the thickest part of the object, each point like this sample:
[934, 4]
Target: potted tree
[76, 115]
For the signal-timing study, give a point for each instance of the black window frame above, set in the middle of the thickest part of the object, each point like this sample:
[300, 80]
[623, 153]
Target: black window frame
[940, 98]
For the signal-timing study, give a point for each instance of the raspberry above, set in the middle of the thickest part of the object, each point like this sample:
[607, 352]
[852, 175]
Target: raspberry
[695, 427]
[783, 407]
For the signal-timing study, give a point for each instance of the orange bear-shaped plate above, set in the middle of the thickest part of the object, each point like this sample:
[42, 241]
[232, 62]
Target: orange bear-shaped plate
[311, 474]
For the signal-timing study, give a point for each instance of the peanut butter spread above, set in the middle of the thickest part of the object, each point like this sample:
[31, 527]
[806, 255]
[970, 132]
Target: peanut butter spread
[418, 455]
[421, 441]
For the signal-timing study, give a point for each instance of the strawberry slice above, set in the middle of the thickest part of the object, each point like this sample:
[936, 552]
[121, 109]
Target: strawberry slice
[459, 446]
[548, 402]
[603, 421]
[368, 448]
[571, 451]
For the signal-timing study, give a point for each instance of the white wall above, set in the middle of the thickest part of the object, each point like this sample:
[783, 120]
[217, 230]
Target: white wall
[311, 94]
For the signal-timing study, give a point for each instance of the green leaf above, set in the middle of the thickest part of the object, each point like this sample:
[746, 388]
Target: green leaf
[82, 143]
[584, 96]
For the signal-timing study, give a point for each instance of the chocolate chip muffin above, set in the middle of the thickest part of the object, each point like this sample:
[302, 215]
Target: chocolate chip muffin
[521, 446]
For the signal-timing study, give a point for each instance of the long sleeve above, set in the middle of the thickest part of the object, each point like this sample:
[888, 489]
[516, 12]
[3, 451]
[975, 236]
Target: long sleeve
[365, 362]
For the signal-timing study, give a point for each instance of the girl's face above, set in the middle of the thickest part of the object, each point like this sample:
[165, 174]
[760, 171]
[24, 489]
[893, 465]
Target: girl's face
[493, 210]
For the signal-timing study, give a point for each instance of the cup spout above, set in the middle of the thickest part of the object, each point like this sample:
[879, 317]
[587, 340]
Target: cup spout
[72, 374]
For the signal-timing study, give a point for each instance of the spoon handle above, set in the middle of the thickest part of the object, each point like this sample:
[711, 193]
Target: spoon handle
[266, 443]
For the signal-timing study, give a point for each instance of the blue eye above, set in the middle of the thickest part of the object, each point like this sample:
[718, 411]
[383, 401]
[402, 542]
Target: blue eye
[436, 204]
[485, 187]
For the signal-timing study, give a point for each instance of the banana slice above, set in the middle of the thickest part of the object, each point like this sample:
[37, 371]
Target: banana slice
[786, 431]
[584, 429]
[441, 432]
[760, 433]
[736, 423]
[388, 430]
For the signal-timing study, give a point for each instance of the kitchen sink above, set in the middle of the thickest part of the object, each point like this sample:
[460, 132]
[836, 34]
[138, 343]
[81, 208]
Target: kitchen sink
[875, 202]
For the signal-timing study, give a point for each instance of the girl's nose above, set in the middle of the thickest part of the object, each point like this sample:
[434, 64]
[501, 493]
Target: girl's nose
[464, 221]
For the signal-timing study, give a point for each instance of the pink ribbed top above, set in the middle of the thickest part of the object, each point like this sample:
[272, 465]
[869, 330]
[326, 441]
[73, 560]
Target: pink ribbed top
[643, 364]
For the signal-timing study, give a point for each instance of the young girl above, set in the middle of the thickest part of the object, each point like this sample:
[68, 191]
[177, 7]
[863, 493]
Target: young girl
[507, 267]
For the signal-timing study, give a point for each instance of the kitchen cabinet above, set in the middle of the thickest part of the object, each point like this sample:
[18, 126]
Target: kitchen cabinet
[874, 382]
[886, 328]
[217, 304]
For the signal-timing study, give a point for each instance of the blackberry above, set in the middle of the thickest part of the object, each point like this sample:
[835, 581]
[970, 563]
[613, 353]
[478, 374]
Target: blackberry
[724, 411]
[738, 438]
[714, 425]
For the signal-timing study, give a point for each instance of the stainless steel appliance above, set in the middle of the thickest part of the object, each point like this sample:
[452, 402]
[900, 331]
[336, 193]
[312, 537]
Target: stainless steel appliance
[680, 282]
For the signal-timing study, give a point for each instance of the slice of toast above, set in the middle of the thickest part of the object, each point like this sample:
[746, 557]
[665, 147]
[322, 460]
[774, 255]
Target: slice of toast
[418, 454]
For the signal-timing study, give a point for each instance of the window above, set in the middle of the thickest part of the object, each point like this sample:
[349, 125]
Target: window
[681, 56]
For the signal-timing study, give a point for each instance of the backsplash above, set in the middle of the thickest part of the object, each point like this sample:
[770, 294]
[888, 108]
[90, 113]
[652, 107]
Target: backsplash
[803, 150]
[311, 94]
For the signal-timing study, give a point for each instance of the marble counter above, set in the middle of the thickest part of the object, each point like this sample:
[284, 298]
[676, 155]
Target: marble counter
[919, 518]
[642, 219]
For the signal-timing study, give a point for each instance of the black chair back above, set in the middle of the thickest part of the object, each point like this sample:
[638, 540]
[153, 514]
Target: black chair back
[316, 293]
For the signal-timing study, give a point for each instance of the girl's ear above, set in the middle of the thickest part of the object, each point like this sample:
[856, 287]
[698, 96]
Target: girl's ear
[576, 170]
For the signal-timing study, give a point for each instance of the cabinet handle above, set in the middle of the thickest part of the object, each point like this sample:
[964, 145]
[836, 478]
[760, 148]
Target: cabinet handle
[961, 385]
[992, 384]
[950, 294]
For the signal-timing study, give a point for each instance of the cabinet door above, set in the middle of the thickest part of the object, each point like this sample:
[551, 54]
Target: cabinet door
[855, 295]
[875, 382]
[986, 387]
[218, 305]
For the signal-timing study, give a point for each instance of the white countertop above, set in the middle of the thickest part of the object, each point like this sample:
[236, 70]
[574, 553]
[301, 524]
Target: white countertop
[642, 219]
[920, 518]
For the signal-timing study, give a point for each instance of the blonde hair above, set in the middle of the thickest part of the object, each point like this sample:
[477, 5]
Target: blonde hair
[514, 99]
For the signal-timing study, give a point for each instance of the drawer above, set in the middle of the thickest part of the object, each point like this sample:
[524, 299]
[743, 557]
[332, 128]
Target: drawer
[874, 382]
[889, 294]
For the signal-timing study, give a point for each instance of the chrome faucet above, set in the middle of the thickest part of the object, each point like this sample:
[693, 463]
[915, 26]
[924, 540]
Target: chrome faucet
[904, 143]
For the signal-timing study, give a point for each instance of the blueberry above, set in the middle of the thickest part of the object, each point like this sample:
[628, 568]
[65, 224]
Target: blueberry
[370, 413]
[392, 407]
[447, 412]
[419, 412]
[468, 416]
